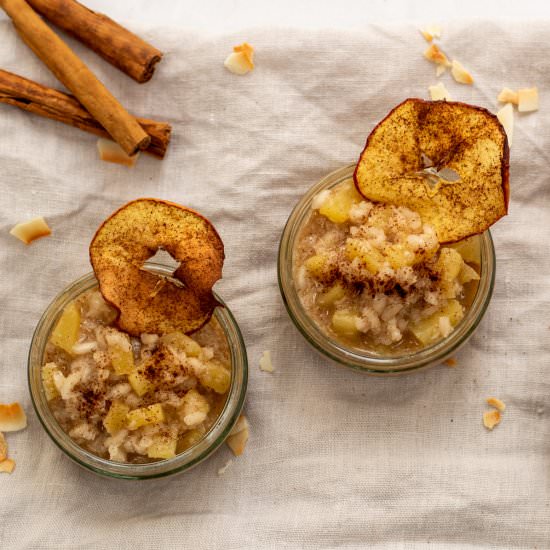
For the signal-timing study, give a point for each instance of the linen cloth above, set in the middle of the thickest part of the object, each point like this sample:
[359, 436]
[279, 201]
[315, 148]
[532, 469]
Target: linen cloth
[335, 459]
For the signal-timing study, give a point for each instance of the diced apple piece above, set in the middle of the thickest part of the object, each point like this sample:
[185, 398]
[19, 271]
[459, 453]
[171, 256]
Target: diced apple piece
[190, 438]
[338, 204]
[153, 414]
[469, 249]
[139, 382]
[369, 256]
[50, 389]
[399, 256]
[428, 330]
[182, 342]
[215, 376]
[331, 296]
[116, 418]
[120, 352]
[194, 409]
[491, 419]
[467, 274]
[345, 323]
[65, 333]
[449, 264]
[163, 446]
[528, 100]
[238, 438]
[317, 265]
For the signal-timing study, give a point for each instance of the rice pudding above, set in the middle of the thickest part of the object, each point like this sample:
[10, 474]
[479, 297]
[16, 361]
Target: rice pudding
[375, 277]
[127, 399]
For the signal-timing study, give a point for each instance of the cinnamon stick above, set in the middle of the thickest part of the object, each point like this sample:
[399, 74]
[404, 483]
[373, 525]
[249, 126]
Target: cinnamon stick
[107, 38]
[77, 77]
[47, 102]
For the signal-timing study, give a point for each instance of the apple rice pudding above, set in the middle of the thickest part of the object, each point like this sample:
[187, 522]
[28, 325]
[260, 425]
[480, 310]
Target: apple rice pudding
[375, 277]
[127, 399]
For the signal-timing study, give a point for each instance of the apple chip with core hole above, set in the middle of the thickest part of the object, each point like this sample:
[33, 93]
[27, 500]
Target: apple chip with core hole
[148, 302]
[458, 139]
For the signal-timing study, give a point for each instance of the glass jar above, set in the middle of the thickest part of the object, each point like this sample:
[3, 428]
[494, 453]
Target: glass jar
[364, 361]
[181, 462]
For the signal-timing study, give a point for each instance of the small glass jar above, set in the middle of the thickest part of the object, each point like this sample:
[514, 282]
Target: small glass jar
[181, 462]
[364, 361]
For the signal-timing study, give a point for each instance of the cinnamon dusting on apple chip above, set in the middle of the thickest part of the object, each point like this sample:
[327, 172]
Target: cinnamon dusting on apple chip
[468, 140]
[146, 302]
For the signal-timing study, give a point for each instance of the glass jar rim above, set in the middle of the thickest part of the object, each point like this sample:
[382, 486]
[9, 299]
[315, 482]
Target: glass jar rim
[369, 362]
[189, 458]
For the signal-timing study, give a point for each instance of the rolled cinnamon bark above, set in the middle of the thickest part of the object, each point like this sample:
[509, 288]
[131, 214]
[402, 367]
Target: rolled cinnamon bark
[107, 38]
[47, 102]
[77, 77]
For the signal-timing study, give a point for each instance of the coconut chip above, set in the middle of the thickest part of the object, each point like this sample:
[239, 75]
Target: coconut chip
[430, 32]
[241, 61]
[439, 92]
[223, 469]
[528, 100]
[239, 436]
[460, 74]
[491, 419]
[109, 151]
[506, 118]
[265, 362]
[7, 466]
[3, 447]
[31, 230]
[508, 96]
[435, 55]
[12, 418]
[496, 403]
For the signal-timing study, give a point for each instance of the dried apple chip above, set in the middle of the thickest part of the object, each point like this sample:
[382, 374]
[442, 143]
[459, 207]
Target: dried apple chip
[466, 139]
[132, 235]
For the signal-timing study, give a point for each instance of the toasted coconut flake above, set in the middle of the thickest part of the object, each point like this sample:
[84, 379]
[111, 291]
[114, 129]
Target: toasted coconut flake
[185, 302]
[248, 51]
[430, 32]
[223, 469]
[265, 362]
[238, 63]
[109, 151]
[491, 419]
[439, 70]
[506, 118]
[460, 74]
[7, 466]
[31, 230]
[496, 403]
[439, 92]
[528, 100]
[451, 362]
[435, 55]
[508, 96]
[12, 418]
[3, 447]
[238, 437]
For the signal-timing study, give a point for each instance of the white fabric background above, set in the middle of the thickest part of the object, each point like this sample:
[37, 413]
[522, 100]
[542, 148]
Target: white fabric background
[335, 459]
